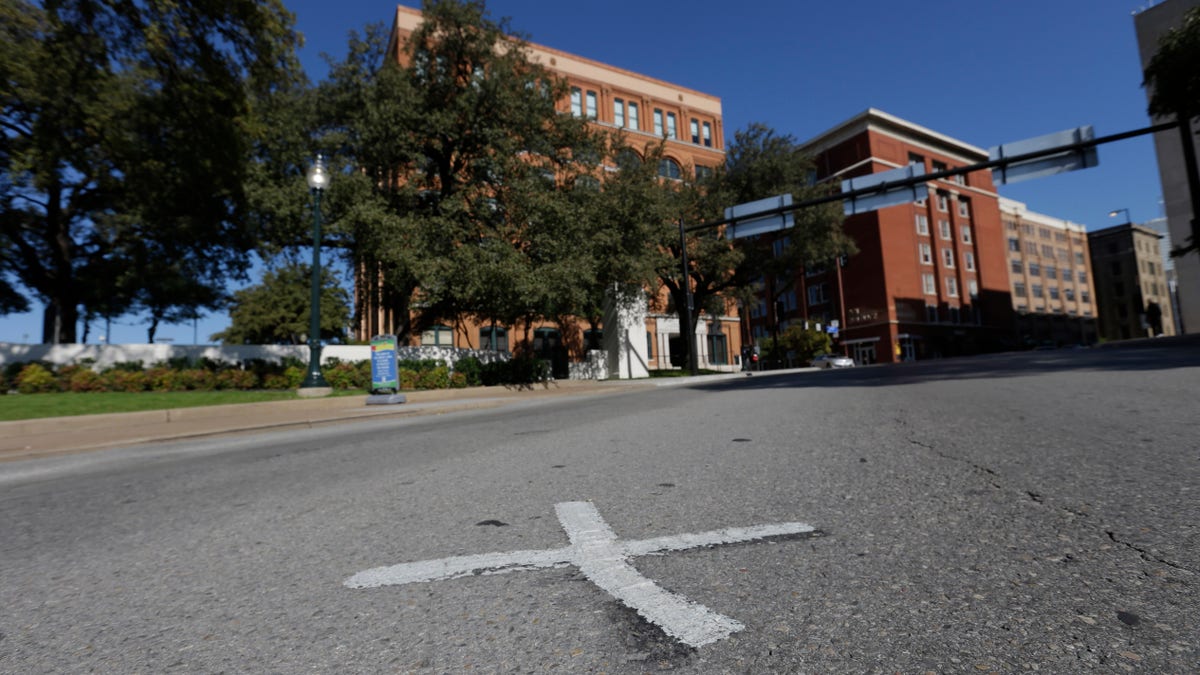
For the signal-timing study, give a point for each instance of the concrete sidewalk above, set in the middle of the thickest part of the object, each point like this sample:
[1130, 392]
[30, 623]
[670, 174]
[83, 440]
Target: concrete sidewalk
[29, 439]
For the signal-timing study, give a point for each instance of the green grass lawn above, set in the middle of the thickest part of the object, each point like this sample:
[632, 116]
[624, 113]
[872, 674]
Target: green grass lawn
[33, 406]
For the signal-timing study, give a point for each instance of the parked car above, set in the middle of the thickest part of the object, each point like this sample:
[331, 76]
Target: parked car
[831, 361]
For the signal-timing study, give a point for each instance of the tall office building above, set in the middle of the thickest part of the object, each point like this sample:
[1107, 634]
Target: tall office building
[1149, 25]
[647, 110]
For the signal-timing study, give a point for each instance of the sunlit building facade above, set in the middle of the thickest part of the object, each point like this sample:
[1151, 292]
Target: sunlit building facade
[647, 110]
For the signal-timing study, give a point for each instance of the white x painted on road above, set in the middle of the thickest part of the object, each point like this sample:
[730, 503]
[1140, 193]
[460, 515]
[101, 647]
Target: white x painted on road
[604, 560]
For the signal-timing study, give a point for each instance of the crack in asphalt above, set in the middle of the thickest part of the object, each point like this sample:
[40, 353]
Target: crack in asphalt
[1041, 500]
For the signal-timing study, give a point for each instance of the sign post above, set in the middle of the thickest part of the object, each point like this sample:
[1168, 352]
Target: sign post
[385, 377]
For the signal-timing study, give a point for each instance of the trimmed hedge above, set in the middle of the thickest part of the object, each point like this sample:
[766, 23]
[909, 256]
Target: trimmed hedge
[207, 375]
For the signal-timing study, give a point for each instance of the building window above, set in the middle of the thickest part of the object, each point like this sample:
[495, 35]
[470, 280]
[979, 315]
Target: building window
[926, 254]
[969, 261]
[931, 313]
[591, 105]
[1047, 252]
[916, 160]
[922, 224]
[1053, 290]
[707, 134]
[703, 172]
[1069, 294]
[816, 294]
[1031, 247]
[937, 167]
[1018, 267]
[1044, 232]
[943, 204]
[1037, 291]
[695, 127]
[669, 168]
[618, 112]
[658, 122]
[1019, 289]
[1035, 270]
[930, 286]
[966, 233]
[718, 352]
[494, 339]
[944, 229]
[959, 178]
[671, 130]
[973, 288]
[546, 341]
[577, 101]
[952, 287]
[1051, 272]
[1082, 277]
[1078, 258]
[438, 336]
[948, 257]
[1013, 244]
[633, 115]
[964, 209]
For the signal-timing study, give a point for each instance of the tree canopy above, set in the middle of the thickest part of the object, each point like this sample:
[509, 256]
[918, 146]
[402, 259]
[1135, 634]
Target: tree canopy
[127, 134]
[277, 310]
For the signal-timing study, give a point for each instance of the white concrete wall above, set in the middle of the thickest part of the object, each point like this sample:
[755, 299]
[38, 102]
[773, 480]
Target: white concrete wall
[149, 354]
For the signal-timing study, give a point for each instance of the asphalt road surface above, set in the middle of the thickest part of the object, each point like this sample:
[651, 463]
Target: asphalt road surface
[1034, 511]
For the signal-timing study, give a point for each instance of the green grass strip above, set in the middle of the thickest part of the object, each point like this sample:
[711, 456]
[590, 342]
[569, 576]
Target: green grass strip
[34, 406]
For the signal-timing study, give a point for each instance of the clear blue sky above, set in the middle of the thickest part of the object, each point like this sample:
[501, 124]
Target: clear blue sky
[985, 73]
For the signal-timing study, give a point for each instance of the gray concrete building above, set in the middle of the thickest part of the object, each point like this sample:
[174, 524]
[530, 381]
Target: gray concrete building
[1131, 286]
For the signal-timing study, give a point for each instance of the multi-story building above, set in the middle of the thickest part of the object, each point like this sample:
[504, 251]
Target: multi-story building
[930, 278]
[1131, 285]
[1159, 225]
[1150, 24]
[1050, 277]
[648, 110]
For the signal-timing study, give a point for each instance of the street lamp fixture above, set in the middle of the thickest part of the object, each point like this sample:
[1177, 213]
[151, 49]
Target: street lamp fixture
[1114, 212]
[314, 381]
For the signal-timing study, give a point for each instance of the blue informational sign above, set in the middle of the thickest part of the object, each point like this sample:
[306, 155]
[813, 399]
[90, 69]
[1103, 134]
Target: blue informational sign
[384, 375]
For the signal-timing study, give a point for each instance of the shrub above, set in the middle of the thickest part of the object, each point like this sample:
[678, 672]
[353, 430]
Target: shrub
[65, 373]
[126, 366]
[494, 373]
[234, 378]
[125, 380]
[438, 378]
[471, 370]
[408, 379]
[198, 379]
[36, 379]
[346, 375]
[276, 381]
[86, 380]
[162, 378]
[295, 374]
[458, 381]
[528, 370]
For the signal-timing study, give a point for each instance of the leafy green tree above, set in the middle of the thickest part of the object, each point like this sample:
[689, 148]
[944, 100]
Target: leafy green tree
[277, 310]
[1174, 80]
[127, 128]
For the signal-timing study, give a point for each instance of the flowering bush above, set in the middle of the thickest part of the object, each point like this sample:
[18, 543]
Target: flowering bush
[35, 379]
[235, 378]
[86, 380]
[131, 381]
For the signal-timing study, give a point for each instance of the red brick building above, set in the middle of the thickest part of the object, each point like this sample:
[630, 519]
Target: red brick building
[930, 278]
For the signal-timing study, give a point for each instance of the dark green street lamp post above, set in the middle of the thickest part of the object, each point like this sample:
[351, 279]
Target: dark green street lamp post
[317, 178]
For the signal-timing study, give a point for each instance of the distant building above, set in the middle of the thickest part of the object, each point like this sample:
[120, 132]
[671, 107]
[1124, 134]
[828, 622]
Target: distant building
[1131, 284]
[1159, 225]
[1149, 25]
[930, 278]
[1050, 272]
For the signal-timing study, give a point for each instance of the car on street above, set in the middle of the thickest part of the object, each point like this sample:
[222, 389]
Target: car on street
[831, 361]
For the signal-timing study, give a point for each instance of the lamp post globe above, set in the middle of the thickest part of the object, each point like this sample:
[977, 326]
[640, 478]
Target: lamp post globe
[314, 382]
[1115, 212]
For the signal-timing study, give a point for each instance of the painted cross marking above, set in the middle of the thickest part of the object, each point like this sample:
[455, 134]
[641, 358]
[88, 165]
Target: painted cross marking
[604, 560]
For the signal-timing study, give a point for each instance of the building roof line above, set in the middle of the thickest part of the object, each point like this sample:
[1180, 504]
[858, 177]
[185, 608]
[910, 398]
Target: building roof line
[875, 118]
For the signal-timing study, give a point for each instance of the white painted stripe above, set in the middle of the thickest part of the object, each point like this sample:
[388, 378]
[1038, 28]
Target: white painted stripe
[461, 566]
[733, 535]
[603, 562]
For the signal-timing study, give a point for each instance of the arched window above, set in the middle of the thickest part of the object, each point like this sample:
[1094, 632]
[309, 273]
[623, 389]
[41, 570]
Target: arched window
[669, 168]
[441, 336]
[628, 158]
[495, 339]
